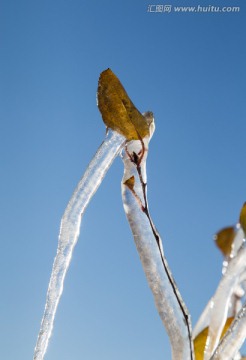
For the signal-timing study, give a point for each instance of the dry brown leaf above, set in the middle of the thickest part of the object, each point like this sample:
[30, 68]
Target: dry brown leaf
[118, 111]
[130, 182]
[224, 239]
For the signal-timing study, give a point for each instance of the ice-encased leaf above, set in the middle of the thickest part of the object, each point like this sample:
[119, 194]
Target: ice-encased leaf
[118, 111]
[200, 340]
[224, 240]
[219, 312]
[233, 339]
[130, 182]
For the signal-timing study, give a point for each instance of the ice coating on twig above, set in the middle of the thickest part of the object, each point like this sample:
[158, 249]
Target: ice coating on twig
[169, 303]
[204, 318]
[233, 339]
[69, 232]
[238, 240]
[231, 279]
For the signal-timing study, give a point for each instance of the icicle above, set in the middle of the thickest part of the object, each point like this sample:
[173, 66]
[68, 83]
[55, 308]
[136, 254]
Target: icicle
[233, 276]
[69, 232]
[233, 339]
[169, 303]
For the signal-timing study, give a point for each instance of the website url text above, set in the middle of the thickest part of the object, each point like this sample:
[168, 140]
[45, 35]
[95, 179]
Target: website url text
[161, 8]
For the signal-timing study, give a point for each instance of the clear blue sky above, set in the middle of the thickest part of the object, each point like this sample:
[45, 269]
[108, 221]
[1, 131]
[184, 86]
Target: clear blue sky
[189, 69]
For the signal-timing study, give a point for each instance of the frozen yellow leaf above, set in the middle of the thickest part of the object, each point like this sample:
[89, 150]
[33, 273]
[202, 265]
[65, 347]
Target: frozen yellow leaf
[200, 340]
[130, 182]
[224, 239]
[242, 218]
[118, 111]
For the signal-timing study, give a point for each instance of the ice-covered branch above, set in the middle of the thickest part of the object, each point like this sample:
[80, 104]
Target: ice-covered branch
[234, 275]
[130, 129]
[233, 339]
[229, 240]
[169, 303]
[123, 122]
[203, 320]
[69, 232]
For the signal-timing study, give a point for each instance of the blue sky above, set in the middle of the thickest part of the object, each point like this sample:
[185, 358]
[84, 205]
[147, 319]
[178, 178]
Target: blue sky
[189, 69]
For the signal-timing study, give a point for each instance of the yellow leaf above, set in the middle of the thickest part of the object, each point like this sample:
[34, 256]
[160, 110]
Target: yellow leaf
[227, 325]
[199, 344]
[224, 239]
[242, 218]
[118, 111]
[130, 182]
[200, 340]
